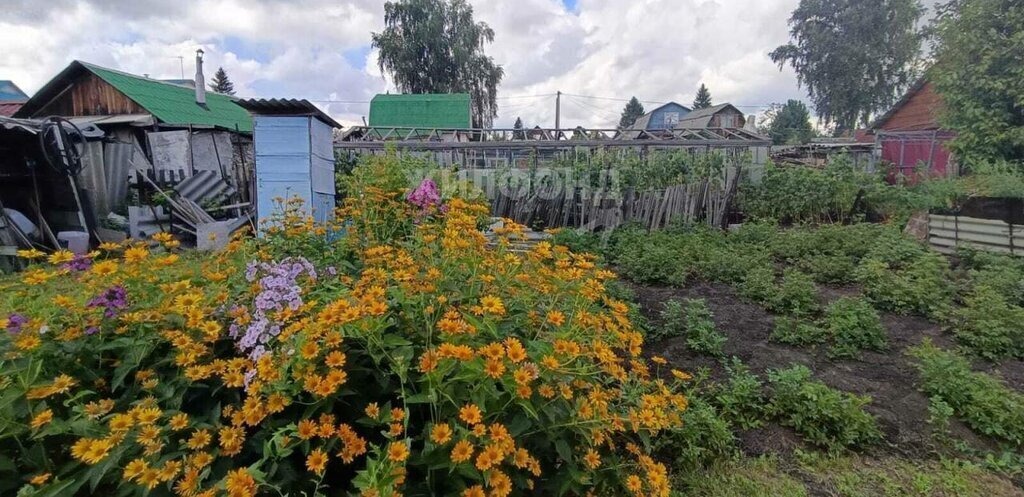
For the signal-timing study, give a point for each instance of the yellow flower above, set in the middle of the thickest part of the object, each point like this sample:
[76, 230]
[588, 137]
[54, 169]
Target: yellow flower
[470, 414]
[310, 350]
[149, 478]
[136, 254]
[104, 268]
[121, 423]
[441, 433]
[556, 318]
[60, 257]
[42, 419]
[199, 439]
[307, 429]
[462, 451]
[317, 461]
[398, 451]
[492, 305]
[634, 484]
[147, 415]
[474, 491]
[31, 254]
[372, 410]
[37, 277]
[592, 459]
[179, 421]
[40, 479]
[110, 247]
[494, 368]
[658, 360]
[91, 450]
[135, 468]
[682, 376]
[335, 359]
[239, 483]
[27, 341]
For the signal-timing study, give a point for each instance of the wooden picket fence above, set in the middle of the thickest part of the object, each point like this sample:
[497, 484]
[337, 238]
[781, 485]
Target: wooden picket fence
[706, 201]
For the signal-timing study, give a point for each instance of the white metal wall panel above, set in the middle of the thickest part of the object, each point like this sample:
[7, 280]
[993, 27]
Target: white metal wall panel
[947, 233]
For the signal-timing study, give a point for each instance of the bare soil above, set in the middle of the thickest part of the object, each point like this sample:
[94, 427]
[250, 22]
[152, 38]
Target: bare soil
[888, 377]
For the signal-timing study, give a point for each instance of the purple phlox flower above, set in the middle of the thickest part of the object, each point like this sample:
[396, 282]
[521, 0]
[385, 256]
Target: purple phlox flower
[425, 196]
[79, 263]
[279, 288]
[111, 300]
[15, 322]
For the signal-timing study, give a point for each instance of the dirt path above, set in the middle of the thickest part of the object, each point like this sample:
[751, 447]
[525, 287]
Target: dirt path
[888, 377]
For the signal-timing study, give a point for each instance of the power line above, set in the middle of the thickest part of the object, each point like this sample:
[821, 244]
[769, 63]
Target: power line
[539, 95]
[618, 99]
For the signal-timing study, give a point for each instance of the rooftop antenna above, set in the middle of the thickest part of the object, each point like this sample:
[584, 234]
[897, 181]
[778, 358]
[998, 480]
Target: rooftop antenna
[181, 62]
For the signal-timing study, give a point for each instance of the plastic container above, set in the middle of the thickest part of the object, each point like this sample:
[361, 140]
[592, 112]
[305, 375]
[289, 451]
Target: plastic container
[75, 241]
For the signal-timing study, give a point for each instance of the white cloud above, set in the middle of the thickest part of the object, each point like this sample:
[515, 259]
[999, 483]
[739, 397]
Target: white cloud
[657, 50]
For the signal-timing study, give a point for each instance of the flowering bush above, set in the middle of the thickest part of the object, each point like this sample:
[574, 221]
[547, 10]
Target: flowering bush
[407, 357]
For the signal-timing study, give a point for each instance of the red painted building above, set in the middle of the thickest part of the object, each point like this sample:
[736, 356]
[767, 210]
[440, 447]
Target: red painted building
[910, 136]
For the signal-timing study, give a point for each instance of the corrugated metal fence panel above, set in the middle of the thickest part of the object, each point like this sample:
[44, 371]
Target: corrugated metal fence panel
[282, 162]
[947, 233]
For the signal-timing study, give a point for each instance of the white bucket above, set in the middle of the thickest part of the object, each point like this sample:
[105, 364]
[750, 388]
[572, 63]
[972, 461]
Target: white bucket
[75, 241]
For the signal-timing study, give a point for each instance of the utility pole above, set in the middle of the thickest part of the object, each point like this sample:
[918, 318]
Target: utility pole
[558, 111]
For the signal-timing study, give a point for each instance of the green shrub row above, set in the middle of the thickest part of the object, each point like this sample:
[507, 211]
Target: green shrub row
[849, 325]
[691, 319]
[823, 415]
[984, 402]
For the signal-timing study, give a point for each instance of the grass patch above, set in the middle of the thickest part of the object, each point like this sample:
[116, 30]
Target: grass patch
[847, 476]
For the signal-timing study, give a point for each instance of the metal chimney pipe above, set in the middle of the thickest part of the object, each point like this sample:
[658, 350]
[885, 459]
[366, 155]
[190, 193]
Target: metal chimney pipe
[200, 79]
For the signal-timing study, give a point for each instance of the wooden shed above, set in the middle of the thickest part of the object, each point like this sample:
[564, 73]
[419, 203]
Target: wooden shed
[294, 156]
[909, 134]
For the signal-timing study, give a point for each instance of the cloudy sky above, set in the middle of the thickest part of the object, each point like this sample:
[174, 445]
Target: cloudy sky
[595, 51]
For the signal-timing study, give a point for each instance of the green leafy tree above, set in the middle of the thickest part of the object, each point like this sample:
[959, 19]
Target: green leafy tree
[630, 113]
[788, 124]
[435, 46]
[221, 84]
[980, 76]
[855, 57]
[703, 98]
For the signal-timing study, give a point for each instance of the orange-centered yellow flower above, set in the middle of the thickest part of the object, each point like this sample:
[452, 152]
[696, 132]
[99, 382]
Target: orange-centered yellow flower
[470, 414]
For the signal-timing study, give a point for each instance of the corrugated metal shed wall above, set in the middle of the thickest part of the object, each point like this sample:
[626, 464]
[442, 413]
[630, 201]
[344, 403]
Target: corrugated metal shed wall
[294, 158]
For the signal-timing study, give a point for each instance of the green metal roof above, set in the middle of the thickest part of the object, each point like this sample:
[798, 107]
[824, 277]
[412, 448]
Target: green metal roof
[176, 105]
[433, 110]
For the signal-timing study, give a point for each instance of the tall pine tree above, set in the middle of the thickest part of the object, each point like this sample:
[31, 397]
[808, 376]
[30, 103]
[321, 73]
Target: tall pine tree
[221, 84]
[633, 110]
[517, 129]
[703, 99]
[788, 124]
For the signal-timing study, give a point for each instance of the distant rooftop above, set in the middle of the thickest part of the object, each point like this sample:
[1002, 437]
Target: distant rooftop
[9, 92]
[170, 103]
[430, 110]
